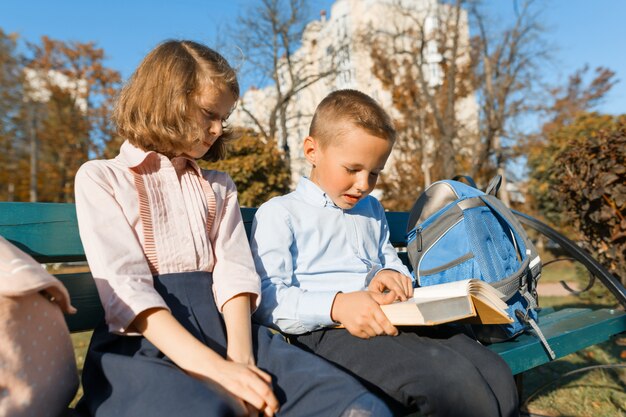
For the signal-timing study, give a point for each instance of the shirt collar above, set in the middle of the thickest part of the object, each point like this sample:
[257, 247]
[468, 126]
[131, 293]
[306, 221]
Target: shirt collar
[132, 157]
[313, 194]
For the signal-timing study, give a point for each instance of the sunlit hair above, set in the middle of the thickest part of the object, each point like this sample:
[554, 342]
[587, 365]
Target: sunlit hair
[155, 109]
[352, 107]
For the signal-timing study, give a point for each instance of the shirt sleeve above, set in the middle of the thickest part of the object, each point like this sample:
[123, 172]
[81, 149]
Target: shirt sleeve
[388, 254]
[114, 252]
[233, 272]
[285, 305]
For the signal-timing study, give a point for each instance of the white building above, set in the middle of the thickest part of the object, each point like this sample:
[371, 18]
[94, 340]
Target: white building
[38, 82]
[338, 36]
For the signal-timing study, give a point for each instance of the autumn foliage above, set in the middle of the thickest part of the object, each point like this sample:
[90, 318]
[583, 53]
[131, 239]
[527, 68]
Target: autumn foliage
[55, 113]
[257, 168]
[589, 180]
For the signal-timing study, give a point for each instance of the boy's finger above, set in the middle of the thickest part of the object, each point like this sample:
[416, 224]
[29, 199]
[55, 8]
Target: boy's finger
[409, 286]
[389, 297]
[386, 325]
[402, 290]
[386, 298]
[376, 327]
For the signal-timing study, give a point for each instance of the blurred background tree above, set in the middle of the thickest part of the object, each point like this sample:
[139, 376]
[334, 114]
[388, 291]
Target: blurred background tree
[568, 123]
[588, 179]
[11, 104]
[256, 167]
[269, 33]
[578, 169]
[432, 69]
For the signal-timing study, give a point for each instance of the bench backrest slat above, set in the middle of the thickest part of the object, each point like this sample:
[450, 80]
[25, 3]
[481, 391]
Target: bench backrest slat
[49, 233]
[397, 221]
[46, 231]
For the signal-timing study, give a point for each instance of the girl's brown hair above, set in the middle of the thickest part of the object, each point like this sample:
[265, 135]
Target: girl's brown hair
[154, 109]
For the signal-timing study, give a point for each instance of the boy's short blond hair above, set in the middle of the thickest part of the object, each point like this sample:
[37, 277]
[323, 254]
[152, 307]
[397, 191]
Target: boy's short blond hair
[154, 110]
[352, 107]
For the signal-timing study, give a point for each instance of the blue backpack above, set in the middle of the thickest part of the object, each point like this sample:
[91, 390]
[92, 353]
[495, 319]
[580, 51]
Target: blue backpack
[456, 231]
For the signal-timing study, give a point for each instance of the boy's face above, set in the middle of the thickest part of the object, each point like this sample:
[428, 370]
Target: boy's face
[347, 168]
[213, 106]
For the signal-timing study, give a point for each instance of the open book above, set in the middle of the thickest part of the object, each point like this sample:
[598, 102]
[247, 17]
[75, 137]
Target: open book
[469, 301]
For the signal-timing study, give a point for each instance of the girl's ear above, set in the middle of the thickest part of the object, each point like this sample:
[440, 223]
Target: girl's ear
[311, 148]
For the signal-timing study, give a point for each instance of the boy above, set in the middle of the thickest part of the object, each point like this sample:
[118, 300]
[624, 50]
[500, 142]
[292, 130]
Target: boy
[324, 257]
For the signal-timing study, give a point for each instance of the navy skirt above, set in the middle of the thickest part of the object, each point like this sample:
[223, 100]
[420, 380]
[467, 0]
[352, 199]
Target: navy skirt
[129, 376]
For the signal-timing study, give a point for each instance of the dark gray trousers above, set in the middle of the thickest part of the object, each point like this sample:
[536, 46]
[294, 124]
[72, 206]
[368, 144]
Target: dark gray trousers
[439, 372]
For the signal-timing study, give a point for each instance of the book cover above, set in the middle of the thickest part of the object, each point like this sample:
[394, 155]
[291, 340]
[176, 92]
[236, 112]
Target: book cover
[468, 301]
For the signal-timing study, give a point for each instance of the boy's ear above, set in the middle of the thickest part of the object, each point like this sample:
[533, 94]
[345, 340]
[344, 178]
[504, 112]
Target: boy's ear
[311, 147]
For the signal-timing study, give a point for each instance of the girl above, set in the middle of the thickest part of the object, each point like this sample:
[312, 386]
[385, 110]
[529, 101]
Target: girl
[169, 254]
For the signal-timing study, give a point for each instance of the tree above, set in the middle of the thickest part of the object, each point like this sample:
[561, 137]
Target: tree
[588, 179]
[569, 123]
[10, 105]
[422, 58]
[256, 167]
[269, 34]
[455, 97]
[507, 78]
[70, 95]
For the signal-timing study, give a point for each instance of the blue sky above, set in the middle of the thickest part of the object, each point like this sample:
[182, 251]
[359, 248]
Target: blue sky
[582, 31]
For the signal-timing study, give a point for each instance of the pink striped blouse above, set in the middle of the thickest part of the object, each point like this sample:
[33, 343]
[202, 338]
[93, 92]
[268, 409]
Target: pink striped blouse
[142, 214]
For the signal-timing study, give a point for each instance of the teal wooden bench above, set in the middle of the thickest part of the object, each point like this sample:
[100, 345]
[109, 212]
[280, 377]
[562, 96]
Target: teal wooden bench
[49, 233]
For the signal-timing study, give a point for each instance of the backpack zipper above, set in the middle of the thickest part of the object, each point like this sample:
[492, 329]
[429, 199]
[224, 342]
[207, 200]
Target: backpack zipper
[416, 233]
[418, 236]
[441, 235]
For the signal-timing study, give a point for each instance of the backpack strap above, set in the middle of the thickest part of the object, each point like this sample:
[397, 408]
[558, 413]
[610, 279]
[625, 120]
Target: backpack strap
[467, 179]
[494, 185]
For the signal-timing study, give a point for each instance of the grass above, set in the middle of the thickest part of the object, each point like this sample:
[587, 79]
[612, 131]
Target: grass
[548, 390]
[81, 343]
[595, 392]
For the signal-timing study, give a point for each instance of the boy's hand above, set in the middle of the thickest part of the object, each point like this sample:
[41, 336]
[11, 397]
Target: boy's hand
[394, 281]
[361, 315]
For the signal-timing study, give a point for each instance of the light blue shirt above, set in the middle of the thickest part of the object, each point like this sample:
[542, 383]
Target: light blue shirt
[306, 250]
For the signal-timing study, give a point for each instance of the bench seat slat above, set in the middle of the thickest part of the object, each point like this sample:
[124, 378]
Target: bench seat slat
[567, 332]
[84, 296]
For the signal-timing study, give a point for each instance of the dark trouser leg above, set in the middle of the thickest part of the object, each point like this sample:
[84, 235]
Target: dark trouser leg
[493, 369]
[146, 384]
[434, 376]
[308, 386]
[367, 405]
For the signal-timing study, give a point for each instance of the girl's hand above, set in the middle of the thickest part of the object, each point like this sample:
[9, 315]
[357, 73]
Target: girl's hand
[250, 384]
[244, 381]
[244, 357]
[240, 354]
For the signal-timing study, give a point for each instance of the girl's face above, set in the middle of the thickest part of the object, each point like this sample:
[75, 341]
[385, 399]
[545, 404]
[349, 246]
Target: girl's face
[213, 106]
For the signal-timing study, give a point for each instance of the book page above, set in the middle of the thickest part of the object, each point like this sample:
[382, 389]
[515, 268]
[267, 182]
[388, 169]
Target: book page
[447, 290]
[428, 311]
[487, 293]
